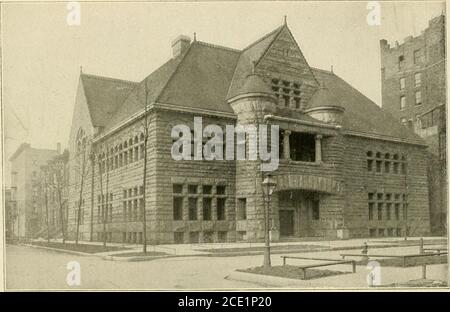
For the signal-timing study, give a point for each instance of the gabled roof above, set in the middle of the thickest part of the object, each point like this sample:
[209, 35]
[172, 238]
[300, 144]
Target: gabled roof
[361, 114]
[202, 78]
[206, 76]
[103, 96]
[135, 100]
[248, 59]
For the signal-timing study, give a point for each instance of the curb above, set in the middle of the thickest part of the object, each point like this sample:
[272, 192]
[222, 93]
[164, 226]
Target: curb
[135, 259]
[265, 280]
[78, 253]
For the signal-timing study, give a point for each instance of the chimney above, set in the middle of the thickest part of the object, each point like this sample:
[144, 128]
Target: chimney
[58, 148]
[180, 45]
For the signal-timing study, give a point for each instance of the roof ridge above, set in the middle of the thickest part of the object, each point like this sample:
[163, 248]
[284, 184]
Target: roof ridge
[217, 46]
[109, 78]
[182, 58]
[322, 70]
[263, 37]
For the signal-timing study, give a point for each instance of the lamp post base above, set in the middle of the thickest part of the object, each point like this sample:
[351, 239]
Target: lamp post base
[267, 262]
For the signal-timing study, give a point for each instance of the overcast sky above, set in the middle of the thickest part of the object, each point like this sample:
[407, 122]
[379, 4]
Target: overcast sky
[42, 55]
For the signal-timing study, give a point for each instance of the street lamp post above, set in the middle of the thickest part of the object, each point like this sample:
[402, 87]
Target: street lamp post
[269, 185]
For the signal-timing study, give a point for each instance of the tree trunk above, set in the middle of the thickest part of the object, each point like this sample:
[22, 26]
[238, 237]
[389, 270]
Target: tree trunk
[46, 213]
[144, 192]
[92, 197]
[83, 165]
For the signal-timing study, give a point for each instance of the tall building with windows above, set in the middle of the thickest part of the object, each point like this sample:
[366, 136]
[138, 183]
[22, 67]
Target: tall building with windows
[347, 168]
[414, 91]
[26, 193]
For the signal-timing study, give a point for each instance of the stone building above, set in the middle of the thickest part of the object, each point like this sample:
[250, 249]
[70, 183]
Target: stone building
[347, 167]
[25, 188]
[414, 91]
[10, 213]
[53, 200]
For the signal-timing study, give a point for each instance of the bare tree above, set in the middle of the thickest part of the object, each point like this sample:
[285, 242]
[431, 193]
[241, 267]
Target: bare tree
[60, 184]
[145, 130]
[44, 170]
[83, 173]
[103, 168]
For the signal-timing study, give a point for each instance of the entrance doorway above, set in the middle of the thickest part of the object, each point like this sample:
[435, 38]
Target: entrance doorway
[286, 222]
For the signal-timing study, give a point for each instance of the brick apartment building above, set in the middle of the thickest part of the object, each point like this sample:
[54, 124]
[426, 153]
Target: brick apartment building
[347, 167]
[414, 91]
[26, 193]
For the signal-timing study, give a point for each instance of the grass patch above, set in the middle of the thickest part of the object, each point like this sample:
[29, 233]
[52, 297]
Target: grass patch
[410, 262]
[292, 271]
[419, 283]
[80, 247]
[293, 248]
[416, 242]
[141, 254]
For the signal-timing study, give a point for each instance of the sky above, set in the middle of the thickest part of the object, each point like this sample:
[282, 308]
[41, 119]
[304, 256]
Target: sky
[42, 54]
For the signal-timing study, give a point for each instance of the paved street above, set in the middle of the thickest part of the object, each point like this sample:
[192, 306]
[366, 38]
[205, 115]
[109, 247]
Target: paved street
[32, 268]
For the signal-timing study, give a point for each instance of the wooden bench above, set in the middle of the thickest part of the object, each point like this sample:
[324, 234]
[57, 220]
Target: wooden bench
[437, 250]
[404, 257]
[333, 262]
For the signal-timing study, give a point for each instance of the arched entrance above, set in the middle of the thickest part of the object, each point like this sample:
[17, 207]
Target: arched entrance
[301, 201]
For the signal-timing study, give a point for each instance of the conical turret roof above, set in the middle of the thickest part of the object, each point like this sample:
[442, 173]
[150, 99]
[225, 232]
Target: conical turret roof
[323, 97]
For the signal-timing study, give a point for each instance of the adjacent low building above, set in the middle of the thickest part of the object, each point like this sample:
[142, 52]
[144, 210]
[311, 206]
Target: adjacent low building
[347, 167]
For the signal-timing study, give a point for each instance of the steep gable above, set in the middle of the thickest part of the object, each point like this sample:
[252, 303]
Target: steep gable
[104, 95]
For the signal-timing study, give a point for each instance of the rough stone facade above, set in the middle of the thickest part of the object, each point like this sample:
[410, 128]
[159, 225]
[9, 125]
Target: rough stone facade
[414, 91]
[346, 168]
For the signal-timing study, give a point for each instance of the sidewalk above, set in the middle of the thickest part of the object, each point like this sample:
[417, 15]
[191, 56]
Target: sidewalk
[252, 248]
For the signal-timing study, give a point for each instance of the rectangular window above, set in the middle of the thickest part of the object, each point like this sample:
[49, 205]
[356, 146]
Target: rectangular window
[401, 61]
[402, 102]
[418, 98]
[220, 208]
[207, 189]
[297, 103]
[242, 209]
[417, 79]
[178, 208]
[390, 232]
[370, 211]
[380, 211]
[194, 237]
[402, 83]
[220, 190]
[178, 188]
[192, 208]
[379, 164]
[315, 210]
[208, 237]
[207, 208]
[418, 56]
[178, 237]
[222, 236]
[397, 211]
[369, 164]
[372, 232]
[380, 232]
[192, 189]
[405, 211]
[388, 211]
[241, 235]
